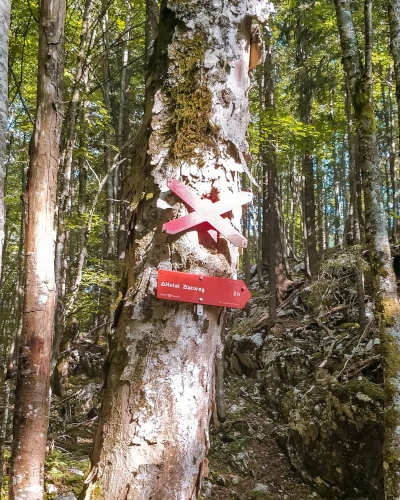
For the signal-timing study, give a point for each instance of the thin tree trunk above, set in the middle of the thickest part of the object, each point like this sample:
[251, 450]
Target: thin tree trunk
[246, 233]
[352, 166]
[336, 180]
[387, 305]
[33, 384]
[65, 203]
[5, 390]
[110, 232]
[5, 7]
[394, 23]
[153, 429]
[152, 16]
[391, 148]
[305, 104]
[320, 212]
[276, 275]
[393, 162]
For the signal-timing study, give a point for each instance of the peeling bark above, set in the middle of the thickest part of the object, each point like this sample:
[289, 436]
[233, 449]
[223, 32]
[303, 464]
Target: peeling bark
[33, 382]
[153, 429]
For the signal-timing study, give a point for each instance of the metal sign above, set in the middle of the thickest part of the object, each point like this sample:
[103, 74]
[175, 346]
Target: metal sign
[199, 289]
[207, 211]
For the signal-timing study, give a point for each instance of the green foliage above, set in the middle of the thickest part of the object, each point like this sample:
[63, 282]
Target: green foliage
[65, 471]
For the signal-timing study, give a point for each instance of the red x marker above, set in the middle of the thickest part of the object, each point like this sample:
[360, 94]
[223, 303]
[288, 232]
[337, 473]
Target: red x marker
[206, 211]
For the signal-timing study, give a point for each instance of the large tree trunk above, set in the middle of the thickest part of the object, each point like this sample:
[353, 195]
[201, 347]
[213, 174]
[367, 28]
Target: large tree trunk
[5, 7]
[386, 302]
[32, 395]
[153, 430]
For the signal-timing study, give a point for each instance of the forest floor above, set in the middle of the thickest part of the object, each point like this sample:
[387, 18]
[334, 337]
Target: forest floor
[245, 460]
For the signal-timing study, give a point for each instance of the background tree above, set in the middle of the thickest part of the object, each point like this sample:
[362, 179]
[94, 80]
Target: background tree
[5, 7]
[359, 74]
[33, 385]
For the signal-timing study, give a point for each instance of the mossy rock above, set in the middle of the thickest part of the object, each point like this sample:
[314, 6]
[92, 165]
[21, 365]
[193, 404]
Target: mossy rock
[335, 439]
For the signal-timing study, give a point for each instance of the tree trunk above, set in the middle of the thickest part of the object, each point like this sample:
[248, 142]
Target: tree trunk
[276, 275]
[305, 105]
[391, 152]
[386, 301]
[151, 32]
[153, 429]
[320, 211]
[66, 174]
[394, 23]
[246, 234]
[32, 394]
[5, 7]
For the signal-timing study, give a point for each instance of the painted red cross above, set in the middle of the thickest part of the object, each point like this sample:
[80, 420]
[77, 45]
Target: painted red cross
[206, 211]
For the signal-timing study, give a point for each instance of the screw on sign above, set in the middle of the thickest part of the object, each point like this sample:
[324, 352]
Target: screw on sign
[206, 211]
[200, 289]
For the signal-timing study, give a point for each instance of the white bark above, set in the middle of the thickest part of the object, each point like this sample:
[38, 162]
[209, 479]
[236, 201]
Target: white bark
[5, 7]
[153, 430]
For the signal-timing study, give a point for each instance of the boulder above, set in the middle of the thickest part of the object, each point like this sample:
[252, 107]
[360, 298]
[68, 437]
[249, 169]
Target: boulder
[331, 429]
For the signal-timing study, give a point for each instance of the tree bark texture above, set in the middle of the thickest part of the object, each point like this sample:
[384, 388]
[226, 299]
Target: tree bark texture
[32, 394]
[305, 106]
[5, 7]
[271, 231]
[386, 301]
[394, 24]
[66, 172]
[153, 429]
[152, 17]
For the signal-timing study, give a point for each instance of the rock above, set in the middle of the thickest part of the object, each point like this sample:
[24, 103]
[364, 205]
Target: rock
[254, 281]
[240, 462]
[261, 491]
[51, 489]
[331, 431]
[244, 353]
[286, 313]
[235, 365]
[77, 472]
[206, 490]
[219, 479]
[369, 346]
[299, 268]
[253, 270]
[67, 496]
[335, 439]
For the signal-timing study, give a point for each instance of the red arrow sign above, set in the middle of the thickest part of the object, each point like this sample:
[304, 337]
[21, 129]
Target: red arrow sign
[183, 287]
[206, 211]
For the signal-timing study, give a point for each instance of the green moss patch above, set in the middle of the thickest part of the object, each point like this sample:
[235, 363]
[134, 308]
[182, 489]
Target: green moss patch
[190, 101]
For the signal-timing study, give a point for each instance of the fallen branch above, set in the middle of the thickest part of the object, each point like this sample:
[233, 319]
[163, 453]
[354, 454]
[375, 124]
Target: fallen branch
[355, 349]
[358, 367]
